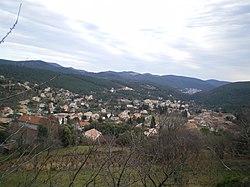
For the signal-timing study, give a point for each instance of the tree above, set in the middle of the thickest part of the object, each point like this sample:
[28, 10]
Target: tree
[163, 159]
[100, 120]
[67, 135]
[130, 121]
[242, 139]
[185, 114]
[3, 135]
[152, 123]
[140, 120]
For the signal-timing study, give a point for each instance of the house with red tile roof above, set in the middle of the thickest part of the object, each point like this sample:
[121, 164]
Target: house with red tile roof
[93, 134]
[32, 121]
[80, 126]
[30, 124]
[191, 125]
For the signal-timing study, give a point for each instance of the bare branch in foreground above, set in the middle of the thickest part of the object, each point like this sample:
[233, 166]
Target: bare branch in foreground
[14, 25]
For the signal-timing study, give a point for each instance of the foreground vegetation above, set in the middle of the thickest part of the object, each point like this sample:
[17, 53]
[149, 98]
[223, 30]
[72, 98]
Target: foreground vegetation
[177, 156]
[206, 171]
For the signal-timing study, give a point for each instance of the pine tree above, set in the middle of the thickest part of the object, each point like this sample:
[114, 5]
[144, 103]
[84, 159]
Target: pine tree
[152, 124]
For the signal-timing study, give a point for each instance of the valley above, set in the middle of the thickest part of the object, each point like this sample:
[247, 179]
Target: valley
[107, 127]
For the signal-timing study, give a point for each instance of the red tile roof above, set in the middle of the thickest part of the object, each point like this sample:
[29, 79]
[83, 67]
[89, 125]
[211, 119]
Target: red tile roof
[93, 133]
[83, 123]
[35, 120]
[191, 125]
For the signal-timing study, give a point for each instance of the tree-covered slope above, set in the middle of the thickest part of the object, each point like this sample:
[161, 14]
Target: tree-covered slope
[83, 84]
[167, 81]
[177, 82]
[216, 83]
[38, 64]
[76, 83]
[233, 94]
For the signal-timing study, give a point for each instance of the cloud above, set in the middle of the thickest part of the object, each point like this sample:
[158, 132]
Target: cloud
[196, 38]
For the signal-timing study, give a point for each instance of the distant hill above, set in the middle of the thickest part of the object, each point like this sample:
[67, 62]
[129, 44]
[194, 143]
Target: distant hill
[38, 64]
[181, 82]
[233, 94]
[177, 82]
[167, 81]
[83, 84]
[216, 83]
[76, 83]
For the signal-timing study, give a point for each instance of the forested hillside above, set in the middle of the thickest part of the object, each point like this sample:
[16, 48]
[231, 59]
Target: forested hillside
[230, 95]
[83, 84]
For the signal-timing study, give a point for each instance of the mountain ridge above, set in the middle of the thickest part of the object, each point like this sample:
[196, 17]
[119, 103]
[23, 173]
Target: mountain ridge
[212, 93]
[174, 81]
[83, 84]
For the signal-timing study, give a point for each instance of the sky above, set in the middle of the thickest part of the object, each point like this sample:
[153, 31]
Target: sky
[206, 39]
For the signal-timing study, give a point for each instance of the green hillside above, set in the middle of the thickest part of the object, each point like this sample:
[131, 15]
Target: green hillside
[230, 95]
[76, 83]
[83, 84]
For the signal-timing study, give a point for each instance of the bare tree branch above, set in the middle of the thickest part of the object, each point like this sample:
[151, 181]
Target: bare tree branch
[223, 163]
[83, 163]
[13, 26]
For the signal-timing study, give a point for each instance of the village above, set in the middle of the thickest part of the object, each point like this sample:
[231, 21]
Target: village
[80, 111]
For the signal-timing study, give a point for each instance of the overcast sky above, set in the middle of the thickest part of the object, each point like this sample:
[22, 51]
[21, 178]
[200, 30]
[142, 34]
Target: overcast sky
[207, 39]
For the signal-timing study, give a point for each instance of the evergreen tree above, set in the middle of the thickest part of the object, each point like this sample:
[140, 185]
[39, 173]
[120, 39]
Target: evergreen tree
[152, 124]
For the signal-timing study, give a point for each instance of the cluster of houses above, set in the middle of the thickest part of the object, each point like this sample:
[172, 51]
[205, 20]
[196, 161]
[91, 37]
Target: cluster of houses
[213, 121]
[80, 111]
[65, 105]
[31, 124]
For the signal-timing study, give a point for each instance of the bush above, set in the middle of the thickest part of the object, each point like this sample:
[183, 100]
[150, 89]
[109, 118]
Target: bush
[235, 181]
